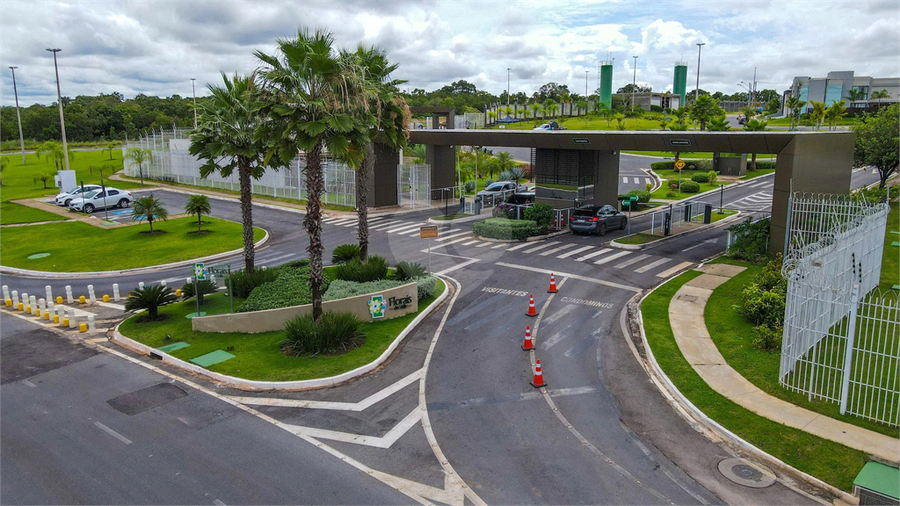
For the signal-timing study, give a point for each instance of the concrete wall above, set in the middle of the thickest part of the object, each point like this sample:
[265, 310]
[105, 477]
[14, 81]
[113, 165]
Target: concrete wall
[443, 167]
[383, 183]
[274, 319]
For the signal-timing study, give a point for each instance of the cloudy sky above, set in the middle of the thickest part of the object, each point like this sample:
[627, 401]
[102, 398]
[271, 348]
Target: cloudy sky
[156, 47]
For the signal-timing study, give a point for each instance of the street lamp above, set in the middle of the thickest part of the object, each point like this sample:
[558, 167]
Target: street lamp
[62, 120]
[18, 116]
[194, 93]
[699, 49]
[586, 84]
[633, 83]
[507, 86]
[749, 92]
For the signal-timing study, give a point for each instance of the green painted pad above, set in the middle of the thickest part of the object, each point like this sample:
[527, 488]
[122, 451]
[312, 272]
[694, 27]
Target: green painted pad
[38, 255]
[212, 358]
[191, 315]
[895, 243]
[169, 348]
[896, 287]
[881, 478]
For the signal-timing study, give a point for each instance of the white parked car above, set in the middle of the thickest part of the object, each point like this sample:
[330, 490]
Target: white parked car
[98, 199]
[65, 198]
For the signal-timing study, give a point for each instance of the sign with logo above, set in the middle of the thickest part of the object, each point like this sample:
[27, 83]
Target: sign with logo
[428, 231]
[581, 141]
[679, 164]
[200, 272]
[399, 302]
[680, 142]
[377, 306]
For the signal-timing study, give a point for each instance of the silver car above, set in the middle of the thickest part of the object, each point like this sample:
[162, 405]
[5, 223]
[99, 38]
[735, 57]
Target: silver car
[100, 199]
[65, 198]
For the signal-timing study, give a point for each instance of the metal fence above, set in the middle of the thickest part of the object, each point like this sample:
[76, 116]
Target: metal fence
[414, 185]
[841, 340]
[685, 212]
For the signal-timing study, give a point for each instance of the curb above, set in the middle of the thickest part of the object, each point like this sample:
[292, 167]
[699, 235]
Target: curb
[25, 273]
[723, 221]
[257, 386]
[694, 415]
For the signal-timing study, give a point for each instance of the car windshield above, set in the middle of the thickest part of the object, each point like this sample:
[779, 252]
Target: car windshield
[495, 187]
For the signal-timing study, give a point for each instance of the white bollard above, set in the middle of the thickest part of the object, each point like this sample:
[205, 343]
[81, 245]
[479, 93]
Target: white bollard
[61, 312]
[116, 292]
[163, 283]
[69, 297]
[25, 299]
[5, 292]
[15, 299]
[212, 277]
[32, 301]
[49, 292]
[42, 305]
[188, 280]
[141, 285]
[91, 295]
[72, 324]
[91, 327]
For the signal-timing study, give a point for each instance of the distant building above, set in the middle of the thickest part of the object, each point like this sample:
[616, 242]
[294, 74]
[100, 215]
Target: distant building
[645, 100]
[838, 85]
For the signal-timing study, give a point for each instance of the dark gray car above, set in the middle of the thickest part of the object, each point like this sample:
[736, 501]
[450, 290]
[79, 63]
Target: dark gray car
[596, 220]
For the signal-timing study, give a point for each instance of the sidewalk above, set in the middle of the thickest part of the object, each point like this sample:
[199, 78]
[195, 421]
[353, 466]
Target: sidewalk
[686, 317]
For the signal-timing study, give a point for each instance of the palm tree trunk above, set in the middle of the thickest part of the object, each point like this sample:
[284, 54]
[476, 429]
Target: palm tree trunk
[362, 194]
[312, 222]
[246, 212]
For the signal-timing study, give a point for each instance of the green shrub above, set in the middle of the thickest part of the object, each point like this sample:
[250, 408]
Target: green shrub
[516, 173]
[203, 287]
[470, 186]
[643, 196]
[767, 338]
[340, 289]
[711, 177]
[425, 286]
[504, 228]
[488, 182]
[243, 282]
[345, 253]
[332, 333]
[409, 270]
[295, 264]
[763, 165]
[673, 185]
[150, 298]
[762, 304]
[373, 269]
[700, 177]
[690, 187]
[542, 214]
[670, 195]
[751, 240]
[290, 288]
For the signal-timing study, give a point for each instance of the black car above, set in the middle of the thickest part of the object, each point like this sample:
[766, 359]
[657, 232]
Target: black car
[596, 220]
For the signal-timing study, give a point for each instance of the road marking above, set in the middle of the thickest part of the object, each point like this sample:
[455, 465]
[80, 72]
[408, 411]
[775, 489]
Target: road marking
[573, 276]
[455, 267]
[625, 179]
[445, 237]
[556, 250]
[382, 226]
[385, 441]
[630, 261]
[592, 255]
[403, 228]
[652, 265]
[520, 246]
[112, 433]
[470, 243]
[542, 246]
[520, 397]
[611, 257]
[218, 503]
[552, 340]
[341, 222]
[501, 245]
[559, 314]
[672, 270]
[574, 251]
[454, 241]
[32, 385]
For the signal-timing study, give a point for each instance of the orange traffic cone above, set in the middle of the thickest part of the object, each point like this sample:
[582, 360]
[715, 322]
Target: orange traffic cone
[531, 310]
[538, 376]
[528, 344]
[552, 284]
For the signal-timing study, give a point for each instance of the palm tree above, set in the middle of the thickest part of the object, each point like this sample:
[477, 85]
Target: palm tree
[226, 137]
[718, 124]
[491, 117]
[150, 298]
[43, 177]
[834, 113]
[390, 118]
[582, 105]
[149, 208]
[110, 146]
[817, 115]
[795, 105]
[504, 161]
[314, 100]
[564, 98]
[856, 95]
[535, 108]
[199, 205]
[754, 125]
[54, 151]
[139, 156]
[878, 95]
[704, 109]
[551, 107]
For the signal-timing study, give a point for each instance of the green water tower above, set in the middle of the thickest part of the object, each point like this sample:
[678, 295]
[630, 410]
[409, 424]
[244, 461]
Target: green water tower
[606, 77]
[680, 82]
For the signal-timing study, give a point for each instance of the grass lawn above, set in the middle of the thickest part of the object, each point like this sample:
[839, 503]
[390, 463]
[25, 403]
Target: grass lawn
[639, 238]
[831, 462]
[11, 214]
[79, 247]
[890, 272]
[671, 175]
[258, 356]
[451, 216]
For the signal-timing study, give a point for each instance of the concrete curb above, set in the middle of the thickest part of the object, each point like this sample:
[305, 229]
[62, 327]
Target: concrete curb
[256, 386]
[634, 247]
[790, 476]
[25, 273]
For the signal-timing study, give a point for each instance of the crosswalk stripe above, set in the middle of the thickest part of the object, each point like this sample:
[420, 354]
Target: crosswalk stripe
[542, 246]
[672, 270]
[630, 261]
[652, 265]
[611, 257]
[520, 246]
[625, 179]
[501, 245]
[592, 255]
[376, 219]
[556, 250]
[637, 180]
[470, 243]
[647, 180]
[481, 244]
[404, 228]
[451, 236]
[382, 226]
[454, 241]
[341, 222]
[574, 251]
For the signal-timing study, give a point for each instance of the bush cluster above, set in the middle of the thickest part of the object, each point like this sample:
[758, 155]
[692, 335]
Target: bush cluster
[374, 268]
[341, 289]
[425, 286]
[700, 177]
[751, 240]
[290, 288]
[470, 186]
[762, 304]
[504, 228]
[345, 253]
[332, 333]
[408, 270]
[763, 165]
[204, 287]
[542, 214]
[690, 187]
[243, 282]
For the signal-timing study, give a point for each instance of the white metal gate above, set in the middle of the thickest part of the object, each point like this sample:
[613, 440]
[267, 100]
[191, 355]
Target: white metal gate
[414, 185]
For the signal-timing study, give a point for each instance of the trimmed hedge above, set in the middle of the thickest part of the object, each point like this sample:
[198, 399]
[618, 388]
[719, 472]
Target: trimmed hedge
[504, 228]
[291, 288]
[690, 186]
[243, 283]
[700, 177]
[425, 286]
[762, 165]
[341, 289]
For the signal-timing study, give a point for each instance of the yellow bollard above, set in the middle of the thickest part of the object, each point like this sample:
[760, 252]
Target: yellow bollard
[20, 307]
[65, 322]
[37, 312]
[47, 315]
[8, 302]
[82, 327]
[178, 292]
[56, 318]
[28, 308]
[106, 298]
[81, 299]
[59, 299]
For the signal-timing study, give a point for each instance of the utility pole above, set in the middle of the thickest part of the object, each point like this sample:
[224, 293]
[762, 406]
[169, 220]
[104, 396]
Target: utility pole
[507, 86]
[633, 83]
[62, 120]
[699, 50]
[18, 115]
[194, 93]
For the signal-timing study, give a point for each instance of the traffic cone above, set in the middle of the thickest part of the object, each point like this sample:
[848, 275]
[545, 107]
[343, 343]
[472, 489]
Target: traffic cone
[552, 284]
[528, 344]
[531, 310]
[538, 376]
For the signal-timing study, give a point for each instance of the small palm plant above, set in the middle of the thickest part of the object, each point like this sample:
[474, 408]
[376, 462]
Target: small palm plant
[204, 287]
[149, 208]
[199, 205]
[150, 298]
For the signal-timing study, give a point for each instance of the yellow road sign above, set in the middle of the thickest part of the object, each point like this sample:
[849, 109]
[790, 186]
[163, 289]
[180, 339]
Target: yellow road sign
[679, 164]
[428, 231]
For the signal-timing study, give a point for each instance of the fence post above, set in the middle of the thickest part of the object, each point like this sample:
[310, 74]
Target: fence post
[848, 355]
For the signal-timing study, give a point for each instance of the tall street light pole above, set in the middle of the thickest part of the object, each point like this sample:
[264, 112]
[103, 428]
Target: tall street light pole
[194, 93]
[18, 116]
[633, 83]
[507, 86]
[62, 120]
[586, 84]
[697, 89]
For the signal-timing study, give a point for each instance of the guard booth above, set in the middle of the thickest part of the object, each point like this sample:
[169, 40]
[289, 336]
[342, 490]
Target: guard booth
[877, 484]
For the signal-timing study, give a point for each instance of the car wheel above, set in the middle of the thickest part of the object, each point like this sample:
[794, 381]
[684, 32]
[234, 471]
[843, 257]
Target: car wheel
[601, 229]
[68, 201]
[124, 203]
[88, 208]
[624, 224]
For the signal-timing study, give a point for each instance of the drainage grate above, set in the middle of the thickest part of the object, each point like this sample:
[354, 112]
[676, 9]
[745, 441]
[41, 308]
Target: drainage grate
[745, 473]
